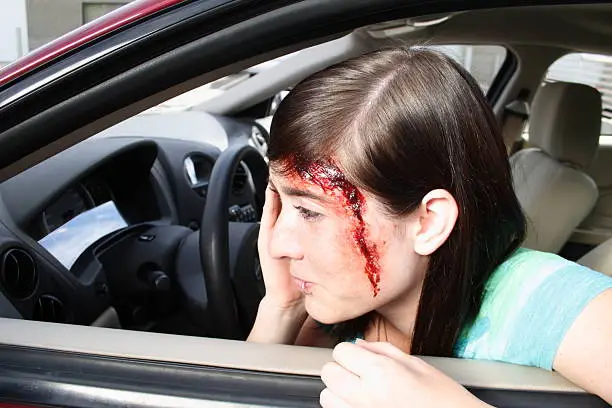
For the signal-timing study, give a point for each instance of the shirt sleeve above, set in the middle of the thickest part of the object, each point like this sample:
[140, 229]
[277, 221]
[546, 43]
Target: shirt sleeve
[548, 314]
[530, 304]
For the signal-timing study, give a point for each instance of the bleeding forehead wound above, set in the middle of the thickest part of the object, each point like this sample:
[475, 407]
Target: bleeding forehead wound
[333, 182]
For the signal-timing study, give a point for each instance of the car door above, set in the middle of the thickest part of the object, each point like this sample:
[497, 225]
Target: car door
[46, 364]
[103, 82]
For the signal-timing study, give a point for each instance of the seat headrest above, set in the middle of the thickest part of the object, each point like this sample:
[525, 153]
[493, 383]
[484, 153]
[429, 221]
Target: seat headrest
[566, 122]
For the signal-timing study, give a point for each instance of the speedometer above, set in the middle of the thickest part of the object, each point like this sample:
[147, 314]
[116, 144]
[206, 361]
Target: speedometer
[71, 203]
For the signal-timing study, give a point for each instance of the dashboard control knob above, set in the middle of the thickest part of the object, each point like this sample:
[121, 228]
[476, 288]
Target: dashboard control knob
[235, 213]
[158, 281]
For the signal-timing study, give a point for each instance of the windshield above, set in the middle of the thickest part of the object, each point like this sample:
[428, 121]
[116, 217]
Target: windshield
[213, 89]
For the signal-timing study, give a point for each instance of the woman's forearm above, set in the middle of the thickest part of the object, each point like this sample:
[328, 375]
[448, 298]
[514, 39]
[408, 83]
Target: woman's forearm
[277, 325]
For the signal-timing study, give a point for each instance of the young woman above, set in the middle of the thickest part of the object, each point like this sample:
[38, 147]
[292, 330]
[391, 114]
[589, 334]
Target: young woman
[391, 229]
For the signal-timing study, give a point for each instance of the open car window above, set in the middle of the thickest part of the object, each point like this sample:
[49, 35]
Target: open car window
[71, 360]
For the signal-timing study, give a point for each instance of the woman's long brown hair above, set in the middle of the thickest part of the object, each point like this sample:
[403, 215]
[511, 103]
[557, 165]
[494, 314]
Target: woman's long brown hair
[400, 123]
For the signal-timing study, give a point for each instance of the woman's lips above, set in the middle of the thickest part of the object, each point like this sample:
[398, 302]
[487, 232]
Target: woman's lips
[304, 286]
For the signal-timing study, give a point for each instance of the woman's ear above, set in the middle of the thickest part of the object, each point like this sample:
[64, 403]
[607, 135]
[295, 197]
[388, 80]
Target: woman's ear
[436, 218]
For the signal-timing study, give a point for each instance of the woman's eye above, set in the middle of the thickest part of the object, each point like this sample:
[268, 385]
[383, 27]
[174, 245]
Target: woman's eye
[307, 214]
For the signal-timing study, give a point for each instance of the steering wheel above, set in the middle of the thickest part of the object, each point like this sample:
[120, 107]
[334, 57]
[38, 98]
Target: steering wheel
[215, 235]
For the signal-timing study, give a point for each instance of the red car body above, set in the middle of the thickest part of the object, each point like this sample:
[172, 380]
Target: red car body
[122, 17]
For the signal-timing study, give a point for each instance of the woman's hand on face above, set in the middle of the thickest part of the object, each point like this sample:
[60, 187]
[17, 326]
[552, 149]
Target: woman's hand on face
[380, 375]
[282, 291]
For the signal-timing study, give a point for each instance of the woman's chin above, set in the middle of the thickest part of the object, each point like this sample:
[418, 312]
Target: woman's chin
[326, 314]
[320, 313]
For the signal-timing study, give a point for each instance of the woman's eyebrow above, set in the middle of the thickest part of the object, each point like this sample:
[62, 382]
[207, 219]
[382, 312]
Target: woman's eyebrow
[271, 185]
[298, 192]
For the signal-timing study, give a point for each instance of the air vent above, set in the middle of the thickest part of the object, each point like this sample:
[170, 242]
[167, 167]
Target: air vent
[240, 180]
[258, 140]
[18, 273]
[49, 309]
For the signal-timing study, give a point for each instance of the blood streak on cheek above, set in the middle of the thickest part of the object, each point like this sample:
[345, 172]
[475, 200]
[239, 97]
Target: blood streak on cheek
[331, 179]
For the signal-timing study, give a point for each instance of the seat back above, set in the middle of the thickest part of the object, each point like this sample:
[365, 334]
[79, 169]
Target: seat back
[599, 258]
[551, 185]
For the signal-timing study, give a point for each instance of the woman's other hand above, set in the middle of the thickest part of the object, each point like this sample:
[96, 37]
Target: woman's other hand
[380, 375]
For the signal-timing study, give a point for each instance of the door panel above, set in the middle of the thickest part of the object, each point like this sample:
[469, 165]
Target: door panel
[77, 366]
[36, 377]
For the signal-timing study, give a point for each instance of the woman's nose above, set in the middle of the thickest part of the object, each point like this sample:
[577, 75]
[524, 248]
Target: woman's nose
[284, 242]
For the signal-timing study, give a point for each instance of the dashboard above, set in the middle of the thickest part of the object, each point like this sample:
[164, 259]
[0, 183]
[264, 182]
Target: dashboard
[52, 214]
[73, 202]
[76, 200]
[80, 216]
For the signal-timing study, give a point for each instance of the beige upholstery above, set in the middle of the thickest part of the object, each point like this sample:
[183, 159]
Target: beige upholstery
[599, 258]
[549, 180]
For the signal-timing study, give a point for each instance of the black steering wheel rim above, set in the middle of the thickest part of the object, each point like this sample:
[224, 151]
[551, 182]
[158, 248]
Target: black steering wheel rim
[214, 235]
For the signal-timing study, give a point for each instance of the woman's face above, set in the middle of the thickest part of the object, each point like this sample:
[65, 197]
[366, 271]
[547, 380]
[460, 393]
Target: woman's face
[347, 256]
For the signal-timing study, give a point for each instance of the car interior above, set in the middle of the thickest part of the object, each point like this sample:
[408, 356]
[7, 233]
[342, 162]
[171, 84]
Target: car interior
[148, 221]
